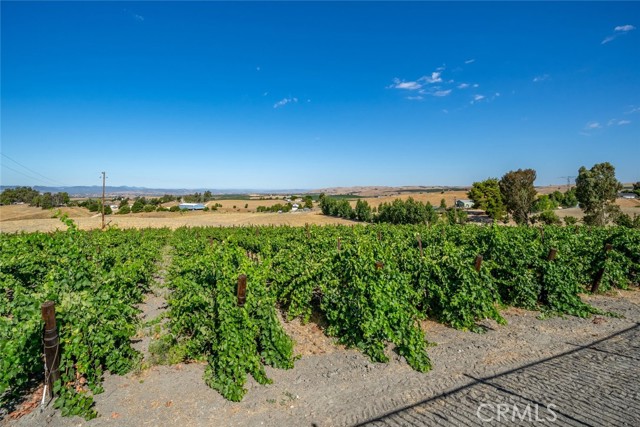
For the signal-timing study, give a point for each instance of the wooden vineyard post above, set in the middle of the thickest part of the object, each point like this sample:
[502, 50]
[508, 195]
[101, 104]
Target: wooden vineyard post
[478, 263]
[379, 265]
[339, 244]
[379, 236]
[307, 227]
[242, 290]
[51, 346]
[598, 277]
[544, 293]
[420, 246]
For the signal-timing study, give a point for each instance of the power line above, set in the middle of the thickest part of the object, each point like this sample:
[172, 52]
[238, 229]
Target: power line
[31, 170]
[24, 174]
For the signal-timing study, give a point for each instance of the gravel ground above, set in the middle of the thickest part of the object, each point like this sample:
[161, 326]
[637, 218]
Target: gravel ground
[570, 362]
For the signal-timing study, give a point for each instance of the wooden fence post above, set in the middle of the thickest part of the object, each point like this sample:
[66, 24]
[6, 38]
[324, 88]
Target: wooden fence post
[420, 246]
[339, 244]
[242, 290]
[598, 277]
[478, 262]
[51, 345]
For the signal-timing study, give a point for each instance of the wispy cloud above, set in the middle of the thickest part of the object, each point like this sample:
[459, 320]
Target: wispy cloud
[399, 84]
[592, 126]
[478, 98]
[469, 61]
[633, 109]
[442, 93]
[624, 28]
[284, 102]
[541, 78]
[135, 16]
[617, 32]
[415, 98]
[433, 78]
[463, 85]
[618, 122]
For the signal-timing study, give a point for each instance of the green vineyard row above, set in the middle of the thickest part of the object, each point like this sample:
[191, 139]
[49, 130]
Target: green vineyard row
[372, 284]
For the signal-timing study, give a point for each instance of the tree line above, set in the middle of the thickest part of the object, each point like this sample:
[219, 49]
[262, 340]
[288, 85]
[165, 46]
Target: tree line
[399, 211]
[33, 197]
[514, 196]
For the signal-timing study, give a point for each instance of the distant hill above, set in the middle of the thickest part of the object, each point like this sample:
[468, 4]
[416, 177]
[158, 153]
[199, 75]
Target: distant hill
[381, 190]
[96, 190]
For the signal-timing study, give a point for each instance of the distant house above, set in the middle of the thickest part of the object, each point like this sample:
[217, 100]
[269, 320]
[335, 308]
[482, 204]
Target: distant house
[628, 195]
[464, 203]
[191, 206]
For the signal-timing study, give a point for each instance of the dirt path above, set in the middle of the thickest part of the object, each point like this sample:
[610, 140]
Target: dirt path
[154, 309]
[333, 386]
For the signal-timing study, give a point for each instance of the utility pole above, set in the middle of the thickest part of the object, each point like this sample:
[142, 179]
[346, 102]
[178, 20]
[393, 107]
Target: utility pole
[103, 184]
[569, 179]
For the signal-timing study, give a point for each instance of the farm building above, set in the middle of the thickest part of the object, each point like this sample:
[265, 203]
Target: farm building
[627, 195]
[464, 203]
[191, 206]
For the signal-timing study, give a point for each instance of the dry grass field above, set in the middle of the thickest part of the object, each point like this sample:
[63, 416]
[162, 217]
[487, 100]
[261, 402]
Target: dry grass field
[168, 219]
[433, 198]
[17, 218]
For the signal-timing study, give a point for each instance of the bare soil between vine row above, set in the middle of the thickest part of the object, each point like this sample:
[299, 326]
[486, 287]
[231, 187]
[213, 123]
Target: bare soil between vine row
[334, 386]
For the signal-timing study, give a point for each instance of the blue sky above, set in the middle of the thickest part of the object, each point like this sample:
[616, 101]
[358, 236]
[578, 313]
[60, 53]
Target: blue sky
[309, 95]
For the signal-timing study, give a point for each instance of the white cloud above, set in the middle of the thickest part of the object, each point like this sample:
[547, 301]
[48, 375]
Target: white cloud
[633, 109]
[408, 85]
[415, 98]
[477, 98]
[618, 31]
[135, 16]
[476, 85]
[624, 28]
[463, 85]
[398, 84]
[541, 78]
[284, 102]
[434, 78]
[469, 61]
[608, 39]
[592, 125]
[442, 92]
[623, 122]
